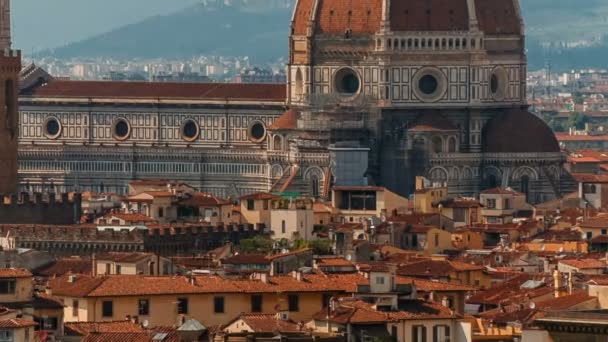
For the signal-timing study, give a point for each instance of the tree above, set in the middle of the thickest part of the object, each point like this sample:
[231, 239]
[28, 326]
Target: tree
[257, 244]
[577, 120]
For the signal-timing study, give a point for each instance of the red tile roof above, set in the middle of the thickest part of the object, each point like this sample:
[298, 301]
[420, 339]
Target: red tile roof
[498, 17]
[582, 264]
[359, 312]
[117, 337]
[63, 266]
[14, 273]
[335, 16]
[16, 323]
[431, 120]
[201, 199]
[294, 252]
[501, 191]
[124, 257]
[260, 196]
[151, 90]
[289, 120]
[435, 268]
[422, 15]
[129, 217]
[590, 178]
[436, 286]
[261, 323]
[125, 285]
[503, 133]
[84, 328]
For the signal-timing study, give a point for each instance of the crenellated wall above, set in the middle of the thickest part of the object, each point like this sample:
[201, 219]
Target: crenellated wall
[40, 209]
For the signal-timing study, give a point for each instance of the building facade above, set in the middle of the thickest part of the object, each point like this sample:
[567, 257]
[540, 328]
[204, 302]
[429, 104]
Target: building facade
[378, 92]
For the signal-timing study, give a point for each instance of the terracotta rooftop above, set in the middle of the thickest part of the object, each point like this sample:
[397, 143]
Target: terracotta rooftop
[127, 257]
[129, 217]
[201, 199]
[289, 120]
[503, 134]
[582, 264]
[16, 323]
[435, 268]
[246, 259]
[294, 252]
[259, 196]
[125, 285]
[84, 328]
[118, 337]
[359, 312]
[152, 90]
[437, 286]
[261, 323]
[501, 191]
[432, 120]
[590, 178]
[63, 266]
[496, 17]
[14, 273]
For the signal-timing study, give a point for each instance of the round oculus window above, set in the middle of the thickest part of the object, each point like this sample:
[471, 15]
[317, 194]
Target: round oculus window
[347, 81]
[190, 130]
[257, 131]
[428, 84]
[52, 128]
[122, 129]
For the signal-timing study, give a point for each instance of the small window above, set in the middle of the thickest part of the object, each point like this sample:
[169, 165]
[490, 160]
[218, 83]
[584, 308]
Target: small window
[161, 212]
[144, 307]
[604, 231]
[265, 204]
[441, 333]
[250, 204]
[107, 308]
[589, 235]
[283, 227]
[256, 303]
[75, 308]
[507, 203]
[118, 269]
[182, 306]
[436, 239]
[7, 286]
[380, 280]
[326, 298]
[491, 203]
[294, 302]
[108, 269]
[419, 333]
[218, 304]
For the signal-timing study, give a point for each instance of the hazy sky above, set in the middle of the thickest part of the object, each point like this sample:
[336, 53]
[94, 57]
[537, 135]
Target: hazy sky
[39, 24]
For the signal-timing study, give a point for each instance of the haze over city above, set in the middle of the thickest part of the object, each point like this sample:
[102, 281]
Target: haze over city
[303, 170]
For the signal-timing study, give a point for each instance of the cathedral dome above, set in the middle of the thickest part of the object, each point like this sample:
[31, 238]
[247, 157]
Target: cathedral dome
[518, 131]
[361, 17]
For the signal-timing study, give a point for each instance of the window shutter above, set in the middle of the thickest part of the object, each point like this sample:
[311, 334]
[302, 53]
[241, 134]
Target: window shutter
[424, 334]
[435, 333]
[448, 336]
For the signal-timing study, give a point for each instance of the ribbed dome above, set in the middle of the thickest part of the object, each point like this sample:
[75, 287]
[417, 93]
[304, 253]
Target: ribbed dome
[518, 131]
[364, 17]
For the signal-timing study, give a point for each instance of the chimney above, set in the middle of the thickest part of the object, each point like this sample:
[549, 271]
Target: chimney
[570, 283]
[445, 302]
[264, 278]
[94, 265]
[557, 282]
[48, 291]
[72, 278]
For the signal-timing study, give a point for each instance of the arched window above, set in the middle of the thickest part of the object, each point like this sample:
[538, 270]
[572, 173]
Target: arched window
[277, 143]
[314, 186]
[299, 84]
[491, 181]
[452, 144]
[525, 185]
[437, 143]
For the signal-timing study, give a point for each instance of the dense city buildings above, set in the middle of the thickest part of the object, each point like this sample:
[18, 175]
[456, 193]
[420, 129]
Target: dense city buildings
[393, 187]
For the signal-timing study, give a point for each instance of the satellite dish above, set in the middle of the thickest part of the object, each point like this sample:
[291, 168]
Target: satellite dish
[145, 323]
[532, 305]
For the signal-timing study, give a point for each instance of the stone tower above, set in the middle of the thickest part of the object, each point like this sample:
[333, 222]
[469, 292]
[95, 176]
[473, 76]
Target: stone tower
[10, 66]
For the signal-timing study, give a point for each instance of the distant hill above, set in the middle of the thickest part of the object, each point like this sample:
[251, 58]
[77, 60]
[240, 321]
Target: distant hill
[259, 29]
[255, 28]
